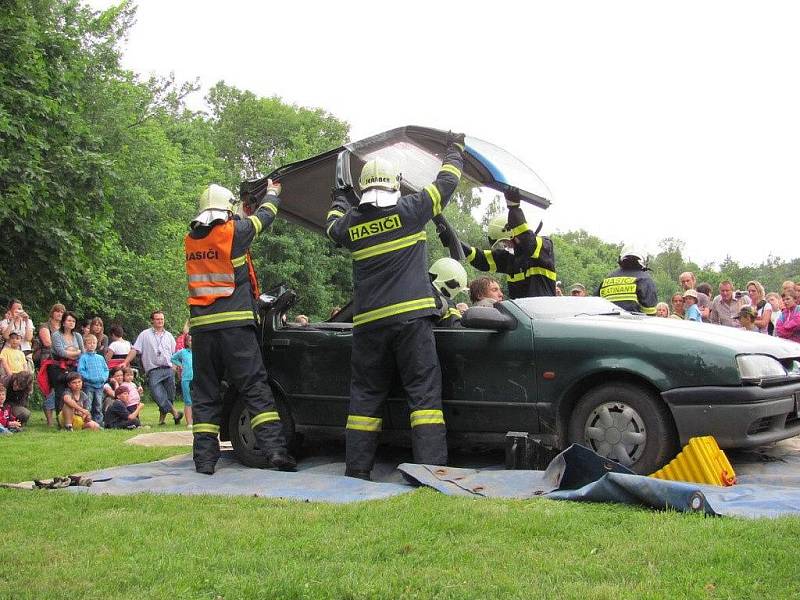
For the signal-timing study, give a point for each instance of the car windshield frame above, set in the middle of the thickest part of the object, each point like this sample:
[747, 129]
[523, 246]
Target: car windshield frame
[556, 307]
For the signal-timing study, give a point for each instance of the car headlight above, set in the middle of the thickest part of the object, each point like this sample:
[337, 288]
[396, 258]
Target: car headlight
[755, 367]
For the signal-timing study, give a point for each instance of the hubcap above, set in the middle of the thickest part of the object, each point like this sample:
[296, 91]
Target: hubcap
[615, 430]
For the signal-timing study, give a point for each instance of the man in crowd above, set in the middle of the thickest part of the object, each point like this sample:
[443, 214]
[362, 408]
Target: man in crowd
[394, 305]
[724, 308]
[577, 289]
[485, 291]
[631, 287]
[223, 290]
[689, 282]
[155, 346]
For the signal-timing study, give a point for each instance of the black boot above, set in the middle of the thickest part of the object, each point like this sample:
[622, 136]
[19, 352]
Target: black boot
[357, 474]
[283, 461]
[205, 468]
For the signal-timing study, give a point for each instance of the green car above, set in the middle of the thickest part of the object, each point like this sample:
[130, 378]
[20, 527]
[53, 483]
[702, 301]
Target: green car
[566, 369]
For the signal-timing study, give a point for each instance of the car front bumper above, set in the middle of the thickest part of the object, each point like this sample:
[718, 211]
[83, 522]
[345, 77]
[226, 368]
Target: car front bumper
[738, 417]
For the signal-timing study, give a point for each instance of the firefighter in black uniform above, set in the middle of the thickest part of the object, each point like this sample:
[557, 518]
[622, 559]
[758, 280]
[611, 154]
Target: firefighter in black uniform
[222, 293]
[394, 307]
[630, 287]
[526, 257]
[448, 279]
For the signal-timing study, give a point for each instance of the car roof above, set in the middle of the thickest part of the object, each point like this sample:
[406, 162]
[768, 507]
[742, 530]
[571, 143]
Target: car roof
[416, 151]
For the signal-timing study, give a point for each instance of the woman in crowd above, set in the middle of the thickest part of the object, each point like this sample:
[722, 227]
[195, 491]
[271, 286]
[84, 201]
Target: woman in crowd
[755, 292]
[96, 327]
[677, 306]
[788, 324]
[180, 341]
[662, 310]
[118, 348]
[17, 321]
[67, 348]
[774, 299]
[45, 335]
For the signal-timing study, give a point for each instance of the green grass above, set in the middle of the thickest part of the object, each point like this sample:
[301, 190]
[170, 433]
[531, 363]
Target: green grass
[419, 545]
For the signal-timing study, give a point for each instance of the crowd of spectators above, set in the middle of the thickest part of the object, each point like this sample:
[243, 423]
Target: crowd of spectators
[751, 309]
[87, 377]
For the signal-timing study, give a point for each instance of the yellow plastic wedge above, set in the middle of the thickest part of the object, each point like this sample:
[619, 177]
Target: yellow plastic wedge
[700, 461]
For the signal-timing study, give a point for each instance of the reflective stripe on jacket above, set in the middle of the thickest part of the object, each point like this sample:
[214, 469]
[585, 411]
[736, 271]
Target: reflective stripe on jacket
[631, 289]
[223, 287]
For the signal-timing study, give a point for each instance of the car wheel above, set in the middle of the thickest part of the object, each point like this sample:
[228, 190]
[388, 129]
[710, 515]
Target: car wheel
[244, 441]
[627, 424]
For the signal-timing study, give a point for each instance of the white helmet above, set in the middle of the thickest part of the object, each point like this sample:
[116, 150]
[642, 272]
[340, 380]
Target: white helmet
[379, 173]
[635, 255]
[448, 276]
[215, 203]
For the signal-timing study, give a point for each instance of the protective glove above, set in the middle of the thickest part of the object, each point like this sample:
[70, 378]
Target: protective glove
[344, 195]
[273, 188]
[457, 139]
[512, 197]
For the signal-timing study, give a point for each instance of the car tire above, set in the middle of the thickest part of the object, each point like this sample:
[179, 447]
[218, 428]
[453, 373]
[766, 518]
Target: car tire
[244, 442]
[625, 423]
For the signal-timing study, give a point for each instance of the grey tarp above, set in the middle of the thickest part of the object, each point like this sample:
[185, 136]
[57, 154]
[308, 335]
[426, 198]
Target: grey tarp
[769, 482]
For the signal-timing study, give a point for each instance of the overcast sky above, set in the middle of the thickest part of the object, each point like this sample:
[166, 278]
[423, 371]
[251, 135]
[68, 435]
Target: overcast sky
[646, 120]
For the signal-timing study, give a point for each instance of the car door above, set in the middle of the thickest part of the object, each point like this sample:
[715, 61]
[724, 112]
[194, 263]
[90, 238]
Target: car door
[488, 381]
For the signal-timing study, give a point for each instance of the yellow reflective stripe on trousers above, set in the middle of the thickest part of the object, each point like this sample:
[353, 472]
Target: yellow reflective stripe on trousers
[264, 417]
[205, 428]
[239, 260]
[223, 317]
[538, 248]
[436, 198]
[427, 417]
[256, 223]
[471, 256]
[532, 271]
[393, 309]
[398, 244]
[364, 423]
[519, 229]
[452, 169]
[490, 259]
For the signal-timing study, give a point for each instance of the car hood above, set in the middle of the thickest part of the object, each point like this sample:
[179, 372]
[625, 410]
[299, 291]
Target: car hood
[416, 151]
[691, 334]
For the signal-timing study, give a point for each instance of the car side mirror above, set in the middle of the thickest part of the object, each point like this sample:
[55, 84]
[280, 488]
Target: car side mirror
[487, 317]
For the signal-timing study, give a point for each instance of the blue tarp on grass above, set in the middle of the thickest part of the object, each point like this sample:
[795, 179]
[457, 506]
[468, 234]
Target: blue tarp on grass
[768, 482]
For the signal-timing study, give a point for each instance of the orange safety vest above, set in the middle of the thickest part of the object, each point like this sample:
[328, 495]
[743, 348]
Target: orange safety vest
[210, 266]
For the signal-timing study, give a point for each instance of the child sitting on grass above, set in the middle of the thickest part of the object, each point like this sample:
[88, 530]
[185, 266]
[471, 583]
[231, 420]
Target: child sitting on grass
[94, 371]
[183, 358]
[119, 415]
[109, 389]
[8, 422]
[73, 415]
[134, 391]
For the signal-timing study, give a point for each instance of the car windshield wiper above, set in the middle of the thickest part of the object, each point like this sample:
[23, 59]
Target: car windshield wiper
[613, 313]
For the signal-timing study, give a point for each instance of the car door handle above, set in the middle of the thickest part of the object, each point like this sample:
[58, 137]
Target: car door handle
[279, 344]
